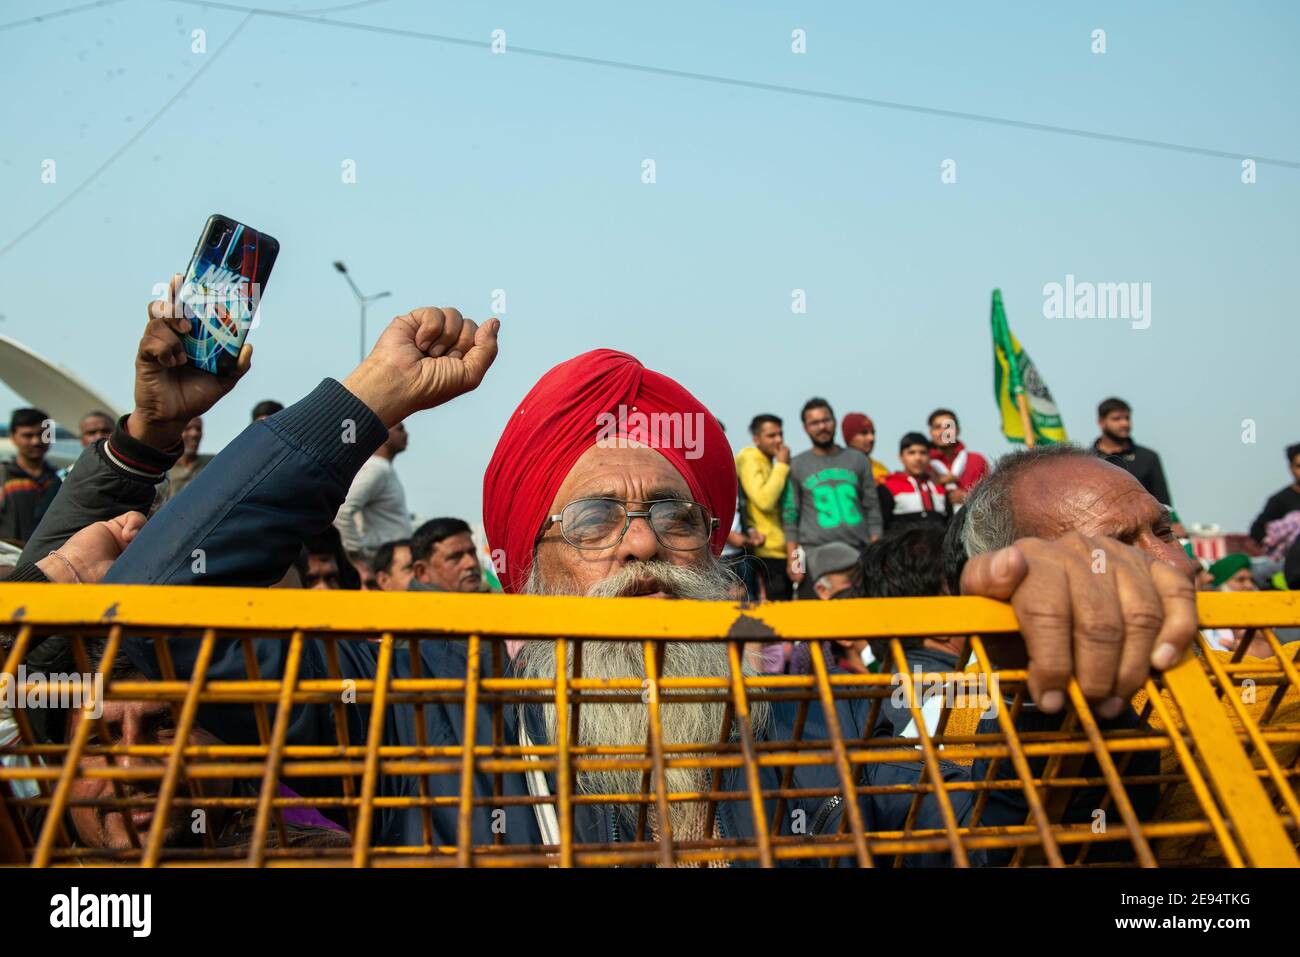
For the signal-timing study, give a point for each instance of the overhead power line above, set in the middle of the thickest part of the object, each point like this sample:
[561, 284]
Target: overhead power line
[766, 87]
[41, 18]
[131, 141]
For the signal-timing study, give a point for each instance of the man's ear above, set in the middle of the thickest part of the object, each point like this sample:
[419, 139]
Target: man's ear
[821, 589]
[420, 570]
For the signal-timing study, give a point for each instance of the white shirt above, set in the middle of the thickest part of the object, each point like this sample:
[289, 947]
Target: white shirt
[374, 511]
[729, 550]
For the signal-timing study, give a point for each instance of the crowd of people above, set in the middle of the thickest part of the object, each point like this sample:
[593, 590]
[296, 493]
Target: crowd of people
[794, 513]
[299, 501]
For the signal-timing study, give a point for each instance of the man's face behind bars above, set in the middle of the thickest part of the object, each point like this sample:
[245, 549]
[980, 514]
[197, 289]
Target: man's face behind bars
[139, 723]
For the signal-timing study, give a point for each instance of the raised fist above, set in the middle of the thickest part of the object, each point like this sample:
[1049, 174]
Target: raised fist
[423, 359]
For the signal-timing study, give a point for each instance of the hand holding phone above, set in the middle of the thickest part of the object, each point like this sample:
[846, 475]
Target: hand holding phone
[169, 390]
[221, 291]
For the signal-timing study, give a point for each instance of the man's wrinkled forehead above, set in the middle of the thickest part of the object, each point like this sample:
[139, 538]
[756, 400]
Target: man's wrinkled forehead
[1082, 494]
[638, 473]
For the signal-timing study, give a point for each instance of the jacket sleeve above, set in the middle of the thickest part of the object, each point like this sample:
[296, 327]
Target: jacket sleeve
[1291, 566]
[764, 495]
[1159, 488]
[358, 497]
[790, 511]
[242, 521]
[872, 511]
[1271, 512]
[886, 499]
[114, 476]
[975, 470]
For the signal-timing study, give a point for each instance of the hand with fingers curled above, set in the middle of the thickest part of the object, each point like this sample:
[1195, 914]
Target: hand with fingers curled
[423, 359]
[1091, 608]
[86, 557]
[169, 391]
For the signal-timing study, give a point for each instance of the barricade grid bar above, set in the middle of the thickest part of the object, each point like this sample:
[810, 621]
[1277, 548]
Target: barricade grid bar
[293, 730]
[564, 740]
[101, 727]
[370, 779]
[184, 725]
[852, 812]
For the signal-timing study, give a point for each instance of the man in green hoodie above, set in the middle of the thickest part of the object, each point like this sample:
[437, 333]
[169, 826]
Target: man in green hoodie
[829, 497]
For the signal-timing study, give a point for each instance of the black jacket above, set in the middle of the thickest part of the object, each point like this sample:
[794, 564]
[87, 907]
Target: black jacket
[115, 475]
[1279, 504]
[23, 499]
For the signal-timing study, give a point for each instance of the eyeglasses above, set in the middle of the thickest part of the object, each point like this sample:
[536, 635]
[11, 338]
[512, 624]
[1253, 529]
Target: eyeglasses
[594, 523]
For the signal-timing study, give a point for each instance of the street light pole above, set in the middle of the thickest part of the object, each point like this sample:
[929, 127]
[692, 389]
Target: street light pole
[362, 301]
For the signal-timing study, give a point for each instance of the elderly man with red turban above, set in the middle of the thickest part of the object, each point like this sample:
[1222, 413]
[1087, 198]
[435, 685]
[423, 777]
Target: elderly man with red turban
[609, 479]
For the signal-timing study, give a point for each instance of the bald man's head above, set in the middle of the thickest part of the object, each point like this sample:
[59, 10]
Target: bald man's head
[1050, 491]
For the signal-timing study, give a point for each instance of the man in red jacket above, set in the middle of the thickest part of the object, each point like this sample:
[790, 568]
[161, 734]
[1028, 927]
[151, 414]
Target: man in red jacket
[913, 495]
[953, 465]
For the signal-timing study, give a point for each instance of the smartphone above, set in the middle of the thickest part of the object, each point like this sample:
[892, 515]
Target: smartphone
[222, 289]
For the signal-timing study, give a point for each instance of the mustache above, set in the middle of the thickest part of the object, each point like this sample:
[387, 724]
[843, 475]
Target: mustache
[712, 582]
[133, 794]
[708, 580]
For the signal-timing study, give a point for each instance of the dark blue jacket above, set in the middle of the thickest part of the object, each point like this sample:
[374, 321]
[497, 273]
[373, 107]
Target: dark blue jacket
[282, 480]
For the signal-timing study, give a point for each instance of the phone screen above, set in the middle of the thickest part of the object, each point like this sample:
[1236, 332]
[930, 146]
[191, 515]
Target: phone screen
[222, 290]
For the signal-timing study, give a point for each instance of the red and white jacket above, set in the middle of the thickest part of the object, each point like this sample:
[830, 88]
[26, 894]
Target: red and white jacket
[958, 464]
[914, 496]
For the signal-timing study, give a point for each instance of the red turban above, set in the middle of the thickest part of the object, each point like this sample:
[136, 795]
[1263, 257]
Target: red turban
[854, 424]
[599, 395]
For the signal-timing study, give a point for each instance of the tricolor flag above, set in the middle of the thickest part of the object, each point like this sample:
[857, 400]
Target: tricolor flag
[1029, 415]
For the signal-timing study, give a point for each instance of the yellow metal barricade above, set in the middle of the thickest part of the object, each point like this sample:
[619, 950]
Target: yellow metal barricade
[1225, 727]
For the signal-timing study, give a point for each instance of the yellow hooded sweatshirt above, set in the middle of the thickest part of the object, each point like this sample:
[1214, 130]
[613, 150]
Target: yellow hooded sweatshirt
[762, 481]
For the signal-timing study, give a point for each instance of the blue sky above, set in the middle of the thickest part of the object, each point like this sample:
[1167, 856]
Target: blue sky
[477, 172]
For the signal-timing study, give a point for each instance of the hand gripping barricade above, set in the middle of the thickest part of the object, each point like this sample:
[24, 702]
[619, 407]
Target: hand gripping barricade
[105, 766]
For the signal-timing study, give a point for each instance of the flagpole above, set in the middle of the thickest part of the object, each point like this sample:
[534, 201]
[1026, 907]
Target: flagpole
[1011, 367]
[1023, 402]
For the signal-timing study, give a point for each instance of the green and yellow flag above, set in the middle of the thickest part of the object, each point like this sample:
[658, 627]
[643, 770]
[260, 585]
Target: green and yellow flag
[1023, 399]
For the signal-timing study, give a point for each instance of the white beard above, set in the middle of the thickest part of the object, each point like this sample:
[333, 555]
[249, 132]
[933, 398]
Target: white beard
[628, 724]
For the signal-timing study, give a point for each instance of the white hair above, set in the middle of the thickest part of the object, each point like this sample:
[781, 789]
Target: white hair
[988, 521]
[626, 723]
